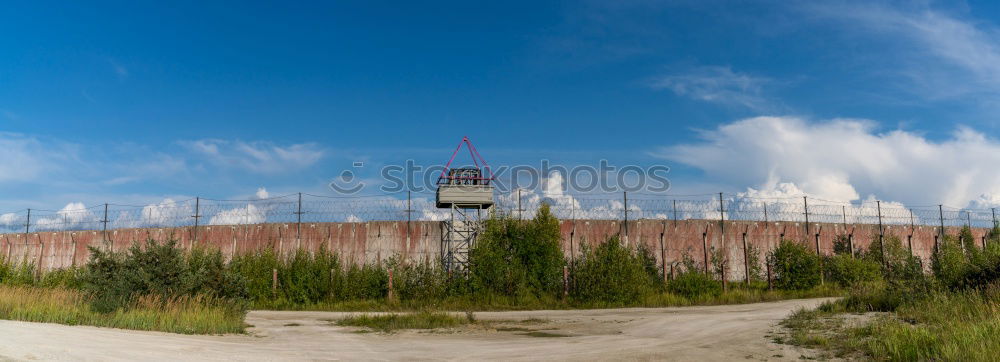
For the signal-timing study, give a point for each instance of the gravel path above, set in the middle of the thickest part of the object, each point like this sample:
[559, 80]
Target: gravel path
[734, 332]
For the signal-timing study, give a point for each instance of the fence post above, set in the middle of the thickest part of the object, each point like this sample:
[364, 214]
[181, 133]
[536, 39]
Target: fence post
[27, 226]
[663, 253]
[390, 285]
[675, 213]
[765, 214]
[520, 211]
[274, 281]
[704, 249]
[805, 202]
[409, 217]
[909, 240]
[722, 239]
[746, 257]
[940, 217]
[572, 235]
[625, 224]
[298, 224]
[107, 241]
[881, 234]
[197, 216]
[565, 282]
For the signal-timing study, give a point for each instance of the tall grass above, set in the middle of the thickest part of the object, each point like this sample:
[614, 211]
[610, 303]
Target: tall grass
[188, 315]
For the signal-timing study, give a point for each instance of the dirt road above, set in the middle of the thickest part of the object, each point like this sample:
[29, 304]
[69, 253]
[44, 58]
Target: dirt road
[736, 332]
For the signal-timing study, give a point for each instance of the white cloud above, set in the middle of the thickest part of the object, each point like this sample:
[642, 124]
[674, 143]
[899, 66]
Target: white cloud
[717, 85]
[166, 213]
[262, 193]
[25, 158]
[73, 215]
[842, 159]
[249, 214]
[943, 54]
[259, 157]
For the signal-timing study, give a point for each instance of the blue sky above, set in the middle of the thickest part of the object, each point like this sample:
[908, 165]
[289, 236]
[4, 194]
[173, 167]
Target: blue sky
[134, 102]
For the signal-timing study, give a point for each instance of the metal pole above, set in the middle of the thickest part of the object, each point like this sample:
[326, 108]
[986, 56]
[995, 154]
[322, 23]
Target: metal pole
[994, 210]
[843, 209]
[409, 215]
[298, 224]
[968, 219]
[881, 233]
[909, 240]
[27, 225]
[197, 210]
[941, 217]
[805, 202]
[675, 213]
[746, 258]
[722, 237]
[625, 225]
[105, 222]
[765, 212]
[520, 211]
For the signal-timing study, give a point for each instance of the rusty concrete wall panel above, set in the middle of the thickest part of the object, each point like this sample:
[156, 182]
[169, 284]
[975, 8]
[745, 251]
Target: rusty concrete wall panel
[377, 241]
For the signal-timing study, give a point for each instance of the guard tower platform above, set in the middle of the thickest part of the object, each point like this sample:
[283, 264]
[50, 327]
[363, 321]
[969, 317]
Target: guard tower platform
[467, 191]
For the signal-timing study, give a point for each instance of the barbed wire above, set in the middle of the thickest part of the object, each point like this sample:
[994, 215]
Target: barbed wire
[421, 206]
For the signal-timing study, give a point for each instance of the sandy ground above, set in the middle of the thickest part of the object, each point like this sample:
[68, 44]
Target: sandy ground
[736, 332]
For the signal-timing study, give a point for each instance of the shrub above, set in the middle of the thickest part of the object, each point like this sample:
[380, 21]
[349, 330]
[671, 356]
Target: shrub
[693, 283]
[896, 260]
[842, 245]
[257, 270]
[514, 257]
[17, 273]
[848, 271]
[795, 267]
[116, 280]
[613, 273]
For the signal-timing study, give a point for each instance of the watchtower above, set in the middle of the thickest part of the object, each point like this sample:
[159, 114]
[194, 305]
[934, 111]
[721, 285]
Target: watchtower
[467, 191]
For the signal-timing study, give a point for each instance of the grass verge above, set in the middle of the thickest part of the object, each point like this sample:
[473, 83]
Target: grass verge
[187, 315]
[737, 294]
[941, 326]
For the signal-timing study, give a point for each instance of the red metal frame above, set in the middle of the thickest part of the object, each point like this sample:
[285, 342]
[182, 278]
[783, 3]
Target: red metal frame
[476, 159]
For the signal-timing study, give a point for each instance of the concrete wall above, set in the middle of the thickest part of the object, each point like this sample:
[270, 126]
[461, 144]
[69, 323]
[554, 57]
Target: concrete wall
[376, 241]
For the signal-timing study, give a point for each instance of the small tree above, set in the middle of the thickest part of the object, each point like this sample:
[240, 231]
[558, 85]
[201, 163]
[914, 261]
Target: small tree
[795, 267]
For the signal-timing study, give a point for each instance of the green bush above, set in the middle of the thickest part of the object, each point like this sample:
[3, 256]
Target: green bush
[795, 266]
[896, 260]
[257, 269]
[16, 274]
[116, 280]
[842, 245]
[514, 257]
[613, 273]
[694, 283]
[848, 271]
[960, 264]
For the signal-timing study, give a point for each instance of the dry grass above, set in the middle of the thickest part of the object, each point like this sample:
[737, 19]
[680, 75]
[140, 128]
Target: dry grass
[187, 315]
[392, 322]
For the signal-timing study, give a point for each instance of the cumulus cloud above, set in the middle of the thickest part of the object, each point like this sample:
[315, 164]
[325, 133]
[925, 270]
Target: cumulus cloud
[842, 159]
[74, 215]
[249, 214]
[717, 85]
[258, 157]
